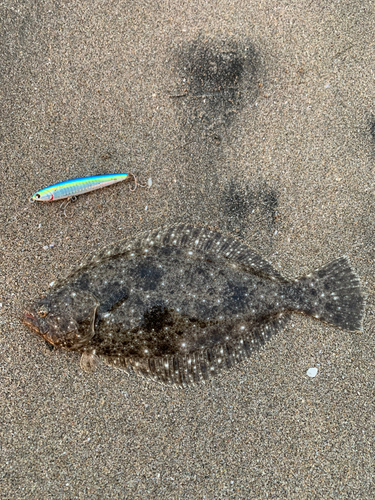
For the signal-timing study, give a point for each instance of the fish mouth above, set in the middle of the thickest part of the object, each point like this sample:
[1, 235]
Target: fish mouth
[31, 321]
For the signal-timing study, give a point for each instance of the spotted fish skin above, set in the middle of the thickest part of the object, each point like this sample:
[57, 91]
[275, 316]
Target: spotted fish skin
[180, 304]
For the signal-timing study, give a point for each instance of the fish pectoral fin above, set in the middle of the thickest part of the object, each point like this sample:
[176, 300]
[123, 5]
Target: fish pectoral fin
[88, 361]
[87, 324]
[91, 321]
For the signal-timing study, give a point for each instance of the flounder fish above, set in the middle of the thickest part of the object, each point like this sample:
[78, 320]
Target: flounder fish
[180, 304]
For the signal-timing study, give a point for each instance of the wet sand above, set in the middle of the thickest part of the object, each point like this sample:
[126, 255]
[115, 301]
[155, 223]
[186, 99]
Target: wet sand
[254, 117]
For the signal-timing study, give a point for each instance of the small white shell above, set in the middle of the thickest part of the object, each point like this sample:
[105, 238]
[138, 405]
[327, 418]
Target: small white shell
[149, 182]
[312, 372]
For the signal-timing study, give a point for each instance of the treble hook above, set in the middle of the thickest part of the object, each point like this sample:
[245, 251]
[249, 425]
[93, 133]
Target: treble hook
[136, 183]
[72, 199]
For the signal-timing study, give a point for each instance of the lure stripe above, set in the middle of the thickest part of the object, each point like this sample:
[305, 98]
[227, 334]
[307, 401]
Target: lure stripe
[75, 187]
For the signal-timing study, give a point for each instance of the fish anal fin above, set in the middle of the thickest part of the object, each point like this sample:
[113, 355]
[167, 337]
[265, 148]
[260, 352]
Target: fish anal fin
[204, 364]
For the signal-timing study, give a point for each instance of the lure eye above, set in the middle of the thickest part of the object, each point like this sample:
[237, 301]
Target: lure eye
[43, 311]
[37, 196]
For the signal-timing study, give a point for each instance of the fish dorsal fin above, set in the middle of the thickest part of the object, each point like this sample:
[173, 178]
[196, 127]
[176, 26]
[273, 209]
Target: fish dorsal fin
[189, 238]
[202, 365]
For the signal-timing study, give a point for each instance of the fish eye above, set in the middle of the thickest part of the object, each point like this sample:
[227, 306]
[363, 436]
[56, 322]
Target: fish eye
[43, 312]
[37, 196]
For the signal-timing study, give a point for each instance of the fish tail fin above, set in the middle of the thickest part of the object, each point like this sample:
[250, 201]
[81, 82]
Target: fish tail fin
[339, 299]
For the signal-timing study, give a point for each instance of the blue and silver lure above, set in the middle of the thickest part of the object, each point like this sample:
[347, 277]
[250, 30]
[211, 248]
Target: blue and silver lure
[74, 187]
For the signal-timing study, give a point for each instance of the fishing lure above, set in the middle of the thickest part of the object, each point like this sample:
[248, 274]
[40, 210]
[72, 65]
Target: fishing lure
[74, 187]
